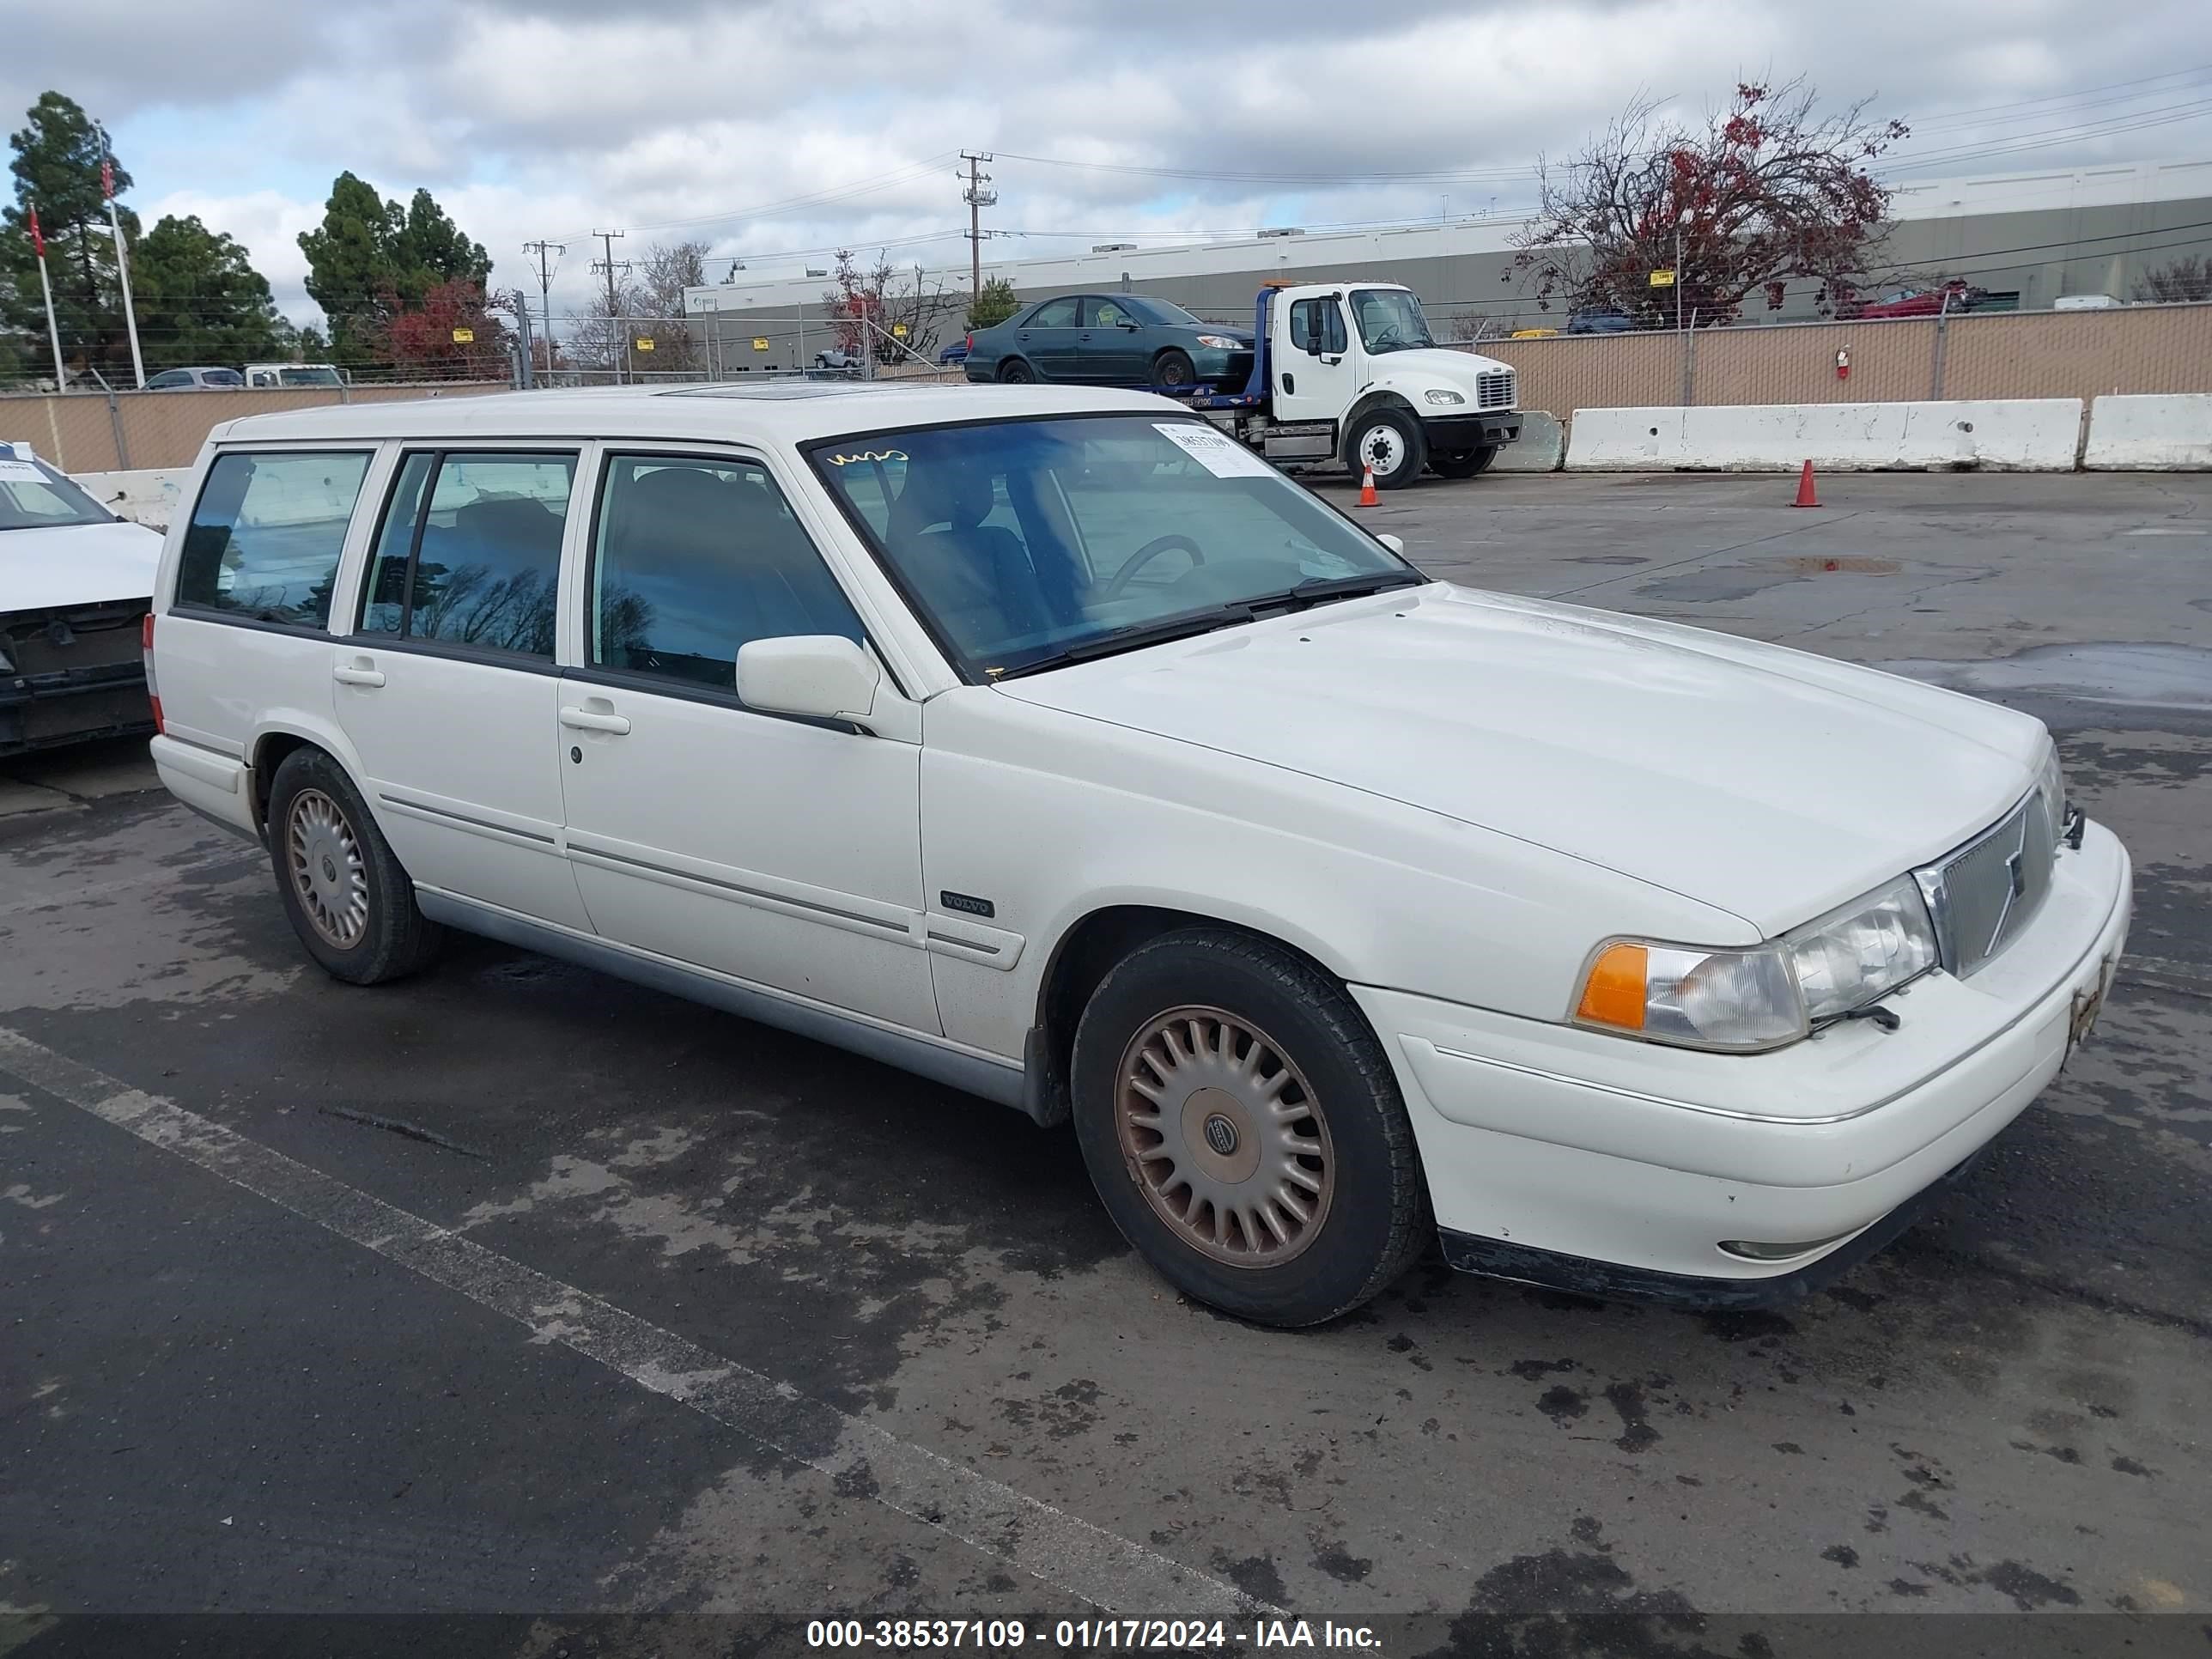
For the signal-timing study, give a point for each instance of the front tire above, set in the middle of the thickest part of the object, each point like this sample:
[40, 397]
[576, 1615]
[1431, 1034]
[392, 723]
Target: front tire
[1244, 1130]
[1387, 439]
[1173, 369]
[1463, 463]
[1015, 372]
[348, 898]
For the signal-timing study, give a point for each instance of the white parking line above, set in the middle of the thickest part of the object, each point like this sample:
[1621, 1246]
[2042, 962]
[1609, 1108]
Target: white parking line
[1073, 1556]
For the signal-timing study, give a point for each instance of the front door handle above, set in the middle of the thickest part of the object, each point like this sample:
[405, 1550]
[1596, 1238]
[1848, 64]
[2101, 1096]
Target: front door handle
[360, 671]
[590, 720]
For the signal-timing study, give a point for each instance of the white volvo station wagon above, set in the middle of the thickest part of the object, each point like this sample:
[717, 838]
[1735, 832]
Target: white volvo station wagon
[1045, 742]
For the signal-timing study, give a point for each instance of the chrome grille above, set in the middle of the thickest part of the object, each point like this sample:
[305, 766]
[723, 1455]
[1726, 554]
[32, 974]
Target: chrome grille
[1494, 390]
[1983, 894]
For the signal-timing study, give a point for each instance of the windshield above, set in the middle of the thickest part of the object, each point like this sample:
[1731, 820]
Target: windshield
[1024, 542]
[34, 496]
[317, 376]
[1389, 320]
[1163, 311]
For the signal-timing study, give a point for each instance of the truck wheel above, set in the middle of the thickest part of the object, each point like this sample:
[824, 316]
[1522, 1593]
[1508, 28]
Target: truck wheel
[1015, 372]
[1463, 463]
[1173, 367]
[1244, 1130]
[347, 897]
[1388, 440]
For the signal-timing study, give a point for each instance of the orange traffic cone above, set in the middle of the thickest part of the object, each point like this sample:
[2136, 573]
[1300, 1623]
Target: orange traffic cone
[1805, 495]
[1367, 497]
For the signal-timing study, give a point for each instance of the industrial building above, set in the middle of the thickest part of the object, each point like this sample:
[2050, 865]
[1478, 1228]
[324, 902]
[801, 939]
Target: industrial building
[2036, 236]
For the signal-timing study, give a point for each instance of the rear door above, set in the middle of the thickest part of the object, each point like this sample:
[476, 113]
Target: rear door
[1113, 343]
[445, 685]
[1050, 338]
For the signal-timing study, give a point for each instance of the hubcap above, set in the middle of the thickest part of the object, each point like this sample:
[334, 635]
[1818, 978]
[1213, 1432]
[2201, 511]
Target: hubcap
[1224, 1137]
[1383, 449]
[328, 875]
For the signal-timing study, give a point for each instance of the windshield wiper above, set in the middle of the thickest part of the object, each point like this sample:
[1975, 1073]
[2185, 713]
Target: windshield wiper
[1135, 637]
[1317, 590]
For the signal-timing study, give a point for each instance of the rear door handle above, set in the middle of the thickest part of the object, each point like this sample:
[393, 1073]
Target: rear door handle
[589, 719]
[360, 671]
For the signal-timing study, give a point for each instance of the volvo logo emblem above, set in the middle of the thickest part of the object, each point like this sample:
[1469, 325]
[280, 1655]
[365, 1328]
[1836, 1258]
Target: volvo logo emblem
[1220, 1134]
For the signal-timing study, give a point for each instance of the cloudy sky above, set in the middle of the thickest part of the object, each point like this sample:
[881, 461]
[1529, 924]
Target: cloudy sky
[776, 132]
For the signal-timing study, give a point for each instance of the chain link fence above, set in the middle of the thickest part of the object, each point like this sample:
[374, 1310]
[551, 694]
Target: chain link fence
[2046, 354]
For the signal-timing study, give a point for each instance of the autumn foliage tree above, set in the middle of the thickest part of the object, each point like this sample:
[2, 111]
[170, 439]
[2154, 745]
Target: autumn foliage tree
[1767, 191]
[417, 341]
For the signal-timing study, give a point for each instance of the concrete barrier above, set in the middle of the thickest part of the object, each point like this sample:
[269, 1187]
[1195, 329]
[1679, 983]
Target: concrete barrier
[143, 497]
[2018, 434]
[1542, 447]
[2150, 433]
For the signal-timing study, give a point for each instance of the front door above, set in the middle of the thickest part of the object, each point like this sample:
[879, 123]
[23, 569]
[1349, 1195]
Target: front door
[1317, 377]
[1050, 338]
[446, 687]
[780, 852]
[1114, 343]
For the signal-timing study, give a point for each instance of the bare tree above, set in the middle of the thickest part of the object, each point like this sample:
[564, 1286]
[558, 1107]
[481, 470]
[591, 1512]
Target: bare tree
[904, 310]
[2177, 282]
[1768, 190]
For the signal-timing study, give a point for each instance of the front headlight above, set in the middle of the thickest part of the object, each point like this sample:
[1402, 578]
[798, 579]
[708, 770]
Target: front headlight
[1745, 1001]
[1443, 397]
[1220, 342]
[2050, 784]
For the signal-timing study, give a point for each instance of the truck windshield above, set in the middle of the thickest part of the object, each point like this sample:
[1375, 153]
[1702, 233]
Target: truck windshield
[34, 496]
[1389, 320]
[1027, 543]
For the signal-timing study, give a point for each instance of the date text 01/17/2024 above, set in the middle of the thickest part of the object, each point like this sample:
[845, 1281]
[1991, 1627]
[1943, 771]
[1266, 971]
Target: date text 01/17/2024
[1099, 1635]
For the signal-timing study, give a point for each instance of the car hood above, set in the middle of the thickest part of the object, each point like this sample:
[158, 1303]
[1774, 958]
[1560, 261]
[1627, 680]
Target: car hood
[1765, 783]
[1440, 361]
[77, 564]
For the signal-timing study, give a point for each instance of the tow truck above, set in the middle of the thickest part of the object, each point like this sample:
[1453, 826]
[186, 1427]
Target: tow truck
[1347, 374]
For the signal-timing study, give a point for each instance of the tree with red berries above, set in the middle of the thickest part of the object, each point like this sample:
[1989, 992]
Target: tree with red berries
[1767, 192]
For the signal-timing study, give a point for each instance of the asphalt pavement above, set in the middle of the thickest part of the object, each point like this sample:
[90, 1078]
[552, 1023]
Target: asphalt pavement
[529, 1299]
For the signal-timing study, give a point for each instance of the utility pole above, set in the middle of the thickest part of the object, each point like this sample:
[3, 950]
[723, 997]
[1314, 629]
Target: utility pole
[977, 199]
[606, 239]
[545, 289]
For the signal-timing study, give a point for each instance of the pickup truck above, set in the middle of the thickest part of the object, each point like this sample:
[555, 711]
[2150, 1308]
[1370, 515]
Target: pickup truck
[1348, 373]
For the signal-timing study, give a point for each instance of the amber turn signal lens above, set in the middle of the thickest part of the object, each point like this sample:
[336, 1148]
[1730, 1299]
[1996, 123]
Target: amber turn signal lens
[1614, 994]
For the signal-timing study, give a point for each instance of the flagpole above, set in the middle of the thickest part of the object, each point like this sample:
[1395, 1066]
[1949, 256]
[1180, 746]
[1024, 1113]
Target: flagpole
[122, 258]
[46, 287]
[53, 329]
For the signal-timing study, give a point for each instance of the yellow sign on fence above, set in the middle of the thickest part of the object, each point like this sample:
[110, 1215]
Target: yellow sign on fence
[464, 336]
[899, 330]
[645, 343]
[1662, 279]
[759, 343]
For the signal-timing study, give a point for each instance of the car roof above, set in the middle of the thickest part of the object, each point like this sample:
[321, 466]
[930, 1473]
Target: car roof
[774, 412]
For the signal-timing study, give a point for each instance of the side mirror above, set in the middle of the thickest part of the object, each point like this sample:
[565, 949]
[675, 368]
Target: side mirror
[821, 676]
[1313, 344]
[1395, 543]
[1131, 324]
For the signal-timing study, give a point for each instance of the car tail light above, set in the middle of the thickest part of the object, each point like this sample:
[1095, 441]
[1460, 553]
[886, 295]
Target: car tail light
[969, 344]
[146, 656]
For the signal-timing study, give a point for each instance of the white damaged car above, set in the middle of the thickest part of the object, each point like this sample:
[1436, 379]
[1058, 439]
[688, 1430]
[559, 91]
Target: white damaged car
[74, 585]
[1046, 743]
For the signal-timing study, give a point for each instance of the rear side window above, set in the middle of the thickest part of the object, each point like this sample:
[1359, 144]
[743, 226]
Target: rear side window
[695, 557]
[470, 552]
[1054, 313]
[266, 534]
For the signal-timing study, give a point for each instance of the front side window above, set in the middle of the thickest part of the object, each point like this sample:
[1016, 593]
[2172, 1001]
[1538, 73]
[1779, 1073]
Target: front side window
[692, 557]
[168, 377]
[1105, 313]
[34, 496]
[1389, 320]
[1316, 324]
[266, 534]
[470, 553]
[1021, 541]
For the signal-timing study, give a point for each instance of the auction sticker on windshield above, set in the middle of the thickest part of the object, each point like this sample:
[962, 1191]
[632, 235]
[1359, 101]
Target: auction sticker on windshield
[20, 472]
[1222, 456]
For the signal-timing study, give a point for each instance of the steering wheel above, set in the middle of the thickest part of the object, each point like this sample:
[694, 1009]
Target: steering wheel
[1145, 555]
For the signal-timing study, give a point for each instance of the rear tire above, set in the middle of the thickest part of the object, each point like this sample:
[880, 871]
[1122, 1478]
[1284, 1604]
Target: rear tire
[347, 897]
[1463, 463]
[1244, 1130]
[1389, 440]
[1015, 372]
[1173, 367]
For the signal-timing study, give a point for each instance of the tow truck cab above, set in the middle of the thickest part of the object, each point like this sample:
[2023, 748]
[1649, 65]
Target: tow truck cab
[1349, 372]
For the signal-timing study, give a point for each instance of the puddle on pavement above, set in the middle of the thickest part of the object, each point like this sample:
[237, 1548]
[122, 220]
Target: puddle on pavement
[1851, 564]
[1723, 584]
[1608, 558]
[2139, 676]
